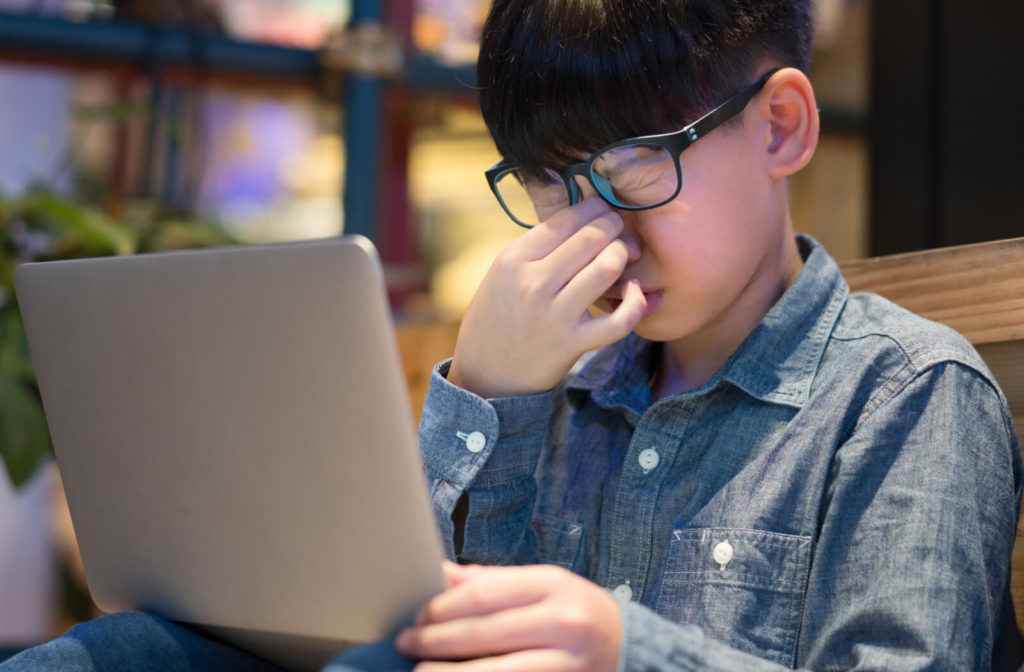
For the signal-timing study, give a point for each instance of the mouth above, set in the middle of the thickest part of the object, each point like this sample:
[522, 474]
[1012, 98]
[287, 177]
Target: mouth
[612, 299]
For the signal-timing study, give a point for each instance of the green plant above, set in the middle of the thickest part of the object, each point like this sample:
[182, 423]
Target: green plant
[43, 226]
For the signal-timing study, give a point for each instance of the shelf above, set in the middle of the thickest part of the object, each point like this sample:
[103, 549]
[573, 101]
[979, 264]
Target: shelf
[78, 44]
[176, 54]
[117, 43]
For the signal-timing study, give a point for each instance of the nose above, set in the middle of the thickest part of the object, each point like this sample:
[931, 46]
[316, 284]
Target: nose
[629, 235]
[583, 188]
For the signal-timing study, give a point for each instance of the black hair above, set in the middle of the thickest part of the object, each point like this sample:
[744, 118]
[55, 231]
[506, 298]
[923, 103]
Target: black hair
[560, 78]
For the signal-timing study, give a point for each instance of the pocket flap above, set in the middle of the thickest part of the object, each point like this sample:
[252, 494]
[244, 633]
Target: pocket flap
[764, 560]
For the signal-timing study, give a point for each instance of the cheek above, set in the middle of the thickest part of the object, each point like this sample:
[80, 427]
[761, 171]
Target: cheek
[702, 257]
[727, 206]
[694, 234]
[709, 230]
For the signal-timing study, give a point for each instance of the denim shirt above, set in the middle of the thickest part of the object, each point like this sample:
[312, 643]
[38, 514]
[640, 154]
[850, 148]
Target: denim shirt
[841, 495]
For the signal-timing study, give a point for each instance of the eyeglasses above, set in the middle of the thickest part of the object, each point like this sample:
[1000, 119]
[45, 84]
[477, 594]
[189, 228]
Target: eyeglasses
[633, 174]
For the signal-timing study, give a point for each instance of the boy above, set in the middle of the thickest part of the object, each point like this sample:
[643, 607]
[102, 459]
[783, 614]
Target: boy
[768, 472]
[756, 470]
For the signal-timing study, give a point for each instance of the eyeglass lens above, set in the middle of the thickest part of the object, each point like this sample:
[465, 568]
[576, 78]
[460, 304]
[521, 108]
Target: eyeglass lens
[629, 176]
[531, 199]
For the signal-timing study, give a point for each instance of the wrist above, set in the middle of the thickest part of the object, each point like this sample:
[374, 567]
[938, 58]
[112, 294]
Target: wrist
[491, 385]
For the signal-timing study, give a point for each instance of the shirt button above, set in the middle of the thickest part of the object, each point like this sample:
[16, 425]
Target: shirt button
[648, 459]
[722, 553]
[623, 592]
[476, 442]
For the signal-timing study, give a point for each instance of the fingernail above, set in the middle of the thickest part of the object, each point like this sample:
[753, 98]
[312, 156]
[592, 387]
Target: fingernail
[404, 640]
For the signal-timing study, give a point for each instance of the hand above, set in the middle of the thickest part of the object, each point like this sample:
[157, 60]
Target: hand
[528, 322]
[541, 618]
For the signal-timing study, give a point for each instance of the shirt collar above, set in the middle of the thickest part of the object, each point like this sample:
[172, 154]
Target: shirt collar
[777, 362]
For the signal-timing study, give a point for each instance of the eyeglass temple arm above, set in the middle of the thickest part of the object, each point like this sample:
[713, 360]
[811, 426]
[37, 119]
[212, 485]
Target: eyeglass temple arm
[726, 110]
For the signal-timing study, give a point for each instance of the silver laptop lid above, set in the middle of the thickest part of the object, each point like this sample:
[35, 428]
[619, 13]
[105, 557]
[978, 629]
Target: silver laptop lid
[233, 431]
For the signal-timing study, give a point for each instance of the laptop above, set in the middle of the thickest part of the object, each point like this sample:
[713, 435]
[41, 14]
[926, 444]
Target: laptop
[234, 435]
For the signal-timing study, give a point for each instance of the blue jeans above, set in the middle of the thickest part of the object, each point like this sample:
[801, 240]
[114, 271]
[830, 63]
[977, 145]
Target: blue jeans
[140, 642]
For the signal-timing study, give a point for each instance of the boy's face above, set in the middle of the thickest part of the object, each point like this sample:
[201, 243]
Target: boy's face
[702, 259]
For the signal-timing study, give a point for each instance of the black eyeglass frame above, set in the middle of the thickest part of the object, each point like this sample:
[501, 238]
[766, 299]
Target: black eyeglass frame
[675, 142]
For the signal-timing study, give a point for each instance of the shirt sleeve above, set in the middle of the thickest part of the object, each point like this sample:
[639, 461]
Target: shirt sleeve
[911, 567]
[486, 450]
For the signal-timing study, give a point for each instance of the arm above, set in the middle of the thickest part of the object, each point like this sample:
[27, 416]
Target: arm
[911, 567]
[486, 412]
[480, 457]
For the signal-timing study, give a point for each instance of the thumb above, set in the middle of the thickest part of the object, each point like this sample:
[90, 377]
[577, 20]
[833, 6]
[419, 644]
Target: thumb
[605, 329]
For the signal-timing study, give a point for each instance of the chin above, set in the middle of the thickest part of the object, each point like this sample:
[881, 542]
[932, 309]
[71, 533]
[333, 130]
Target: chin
[655, 330]
[650, 331]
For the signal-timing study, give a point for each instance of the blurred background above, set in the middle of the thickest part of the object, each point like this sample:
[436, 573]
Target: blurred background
[130, 126]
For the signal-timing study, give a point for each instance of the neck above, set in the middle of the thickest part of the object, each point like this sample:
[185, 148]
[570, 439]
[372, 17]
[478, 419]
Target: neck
[691, 361]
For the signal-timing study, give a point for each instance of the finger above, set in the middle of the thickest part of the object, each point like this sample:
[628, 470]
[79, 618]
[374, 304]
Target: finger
[599, 331]
[594, 279]
[490, 589]
[572, 256]
[501, 632]
[539, 241]
[454, 575]
[535, 660]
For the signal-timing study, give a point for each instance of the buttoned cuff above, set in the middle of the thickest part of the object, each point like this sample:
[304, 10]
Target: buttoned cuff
[459, 431]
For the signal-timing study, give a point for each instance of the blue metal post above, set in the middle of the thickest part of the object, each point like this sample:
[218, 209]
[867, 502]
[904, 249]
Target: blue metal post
[363, 134]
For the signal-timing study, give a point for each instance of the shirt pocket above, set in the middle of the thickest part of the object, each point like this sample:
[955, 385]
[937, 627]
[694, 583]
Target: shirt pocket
[744, 588]
[558, 541]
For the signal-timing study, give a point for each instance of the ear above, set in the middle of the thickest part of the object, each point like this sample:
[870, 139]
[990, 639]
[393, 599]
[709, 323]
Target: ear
[787, 103]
